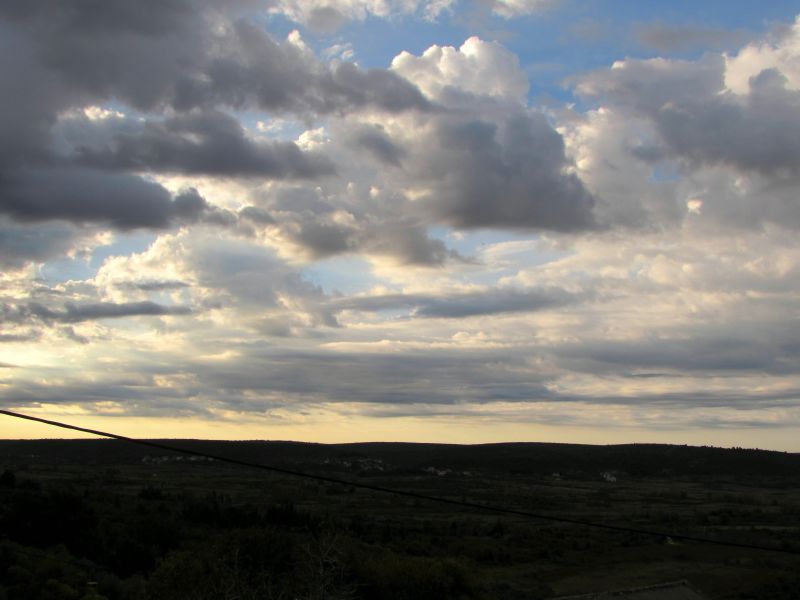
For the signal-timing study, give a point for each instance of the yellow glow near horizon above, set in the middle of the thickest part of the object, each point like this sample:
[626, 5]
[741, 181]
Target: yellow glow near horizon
[396, 429]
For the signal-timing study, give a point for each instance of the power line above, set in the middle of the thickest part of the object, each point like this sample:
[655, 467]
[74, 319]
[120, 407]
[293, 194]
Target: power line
[407, 494]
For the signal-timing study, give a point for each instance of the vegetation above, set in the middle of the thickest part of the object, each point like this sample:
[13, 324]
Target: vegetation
[95, 519]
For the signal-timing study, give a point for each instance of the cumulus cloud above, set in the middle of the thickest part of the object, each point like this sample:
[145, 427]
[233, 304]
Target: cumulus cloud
[701, 121]
[704, 147]
[489, 162]
[477, 67]
[512, 174]
[778, 51]
[482, 159]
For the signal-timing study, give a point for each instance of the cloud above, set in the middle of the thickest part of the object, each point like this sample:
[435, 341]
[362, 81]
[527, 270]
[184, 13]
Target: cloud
[211, 143]
[778, 50]
[460, 305]
[510, 174]
[308, 224]
[487, 162]
[6, 338]
[374, 142]
[83, 195]
[675, 38]
[21, 244]
[477, 68]
[187, 56]
[77, 313]
[403, 377]
[221, 273]
[700, 353]
[509, 9]
[700, 121]
[184, 61]
[329, 15]
[155, 285]
[705, 147]
[642, 264]
[481, 160]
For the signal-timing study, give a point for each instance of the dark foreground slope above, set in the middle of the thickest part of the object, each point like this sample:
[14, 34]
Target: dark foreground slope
[106, 519]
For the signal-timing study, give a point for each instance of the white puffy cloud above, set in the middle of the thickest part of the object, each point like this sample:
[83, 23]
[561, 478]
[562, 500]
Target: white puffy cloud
[781, 53]
[477, 67]
[687, 136]
[484, 160]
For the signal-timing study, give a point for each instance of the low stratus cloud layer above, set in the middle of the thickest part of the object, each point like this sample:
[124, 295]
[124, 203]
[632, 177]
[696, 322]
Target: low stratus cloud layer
[201, 220]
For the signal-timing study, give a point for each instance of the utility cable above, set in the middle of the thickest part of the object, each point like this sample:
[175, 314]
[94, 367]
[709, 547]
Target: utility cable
[407, 494]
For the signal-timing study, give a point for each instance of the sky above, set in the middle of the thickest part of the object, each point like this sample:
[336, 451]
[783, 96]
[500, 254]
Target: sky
[459, 221]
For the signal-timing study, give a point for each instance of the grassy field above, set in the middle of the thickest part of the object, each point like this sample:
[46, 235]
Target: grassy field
[139, 523]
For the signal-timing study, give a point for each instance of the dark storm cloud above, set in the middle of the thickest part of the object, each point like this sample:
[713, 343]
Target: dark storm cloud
[510, 175]
[83, 195]
[701, 122]
[675, 38]
[77, 313]
[210, 143]
[461, 305]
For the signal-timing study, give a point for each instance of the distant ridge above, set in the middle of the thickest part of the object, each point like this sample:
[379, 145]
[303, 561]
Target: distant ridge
[635, 460]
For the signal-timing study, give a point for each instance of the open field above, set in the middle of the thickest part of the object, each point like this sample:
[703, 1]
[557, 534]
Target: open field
[144, 524]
